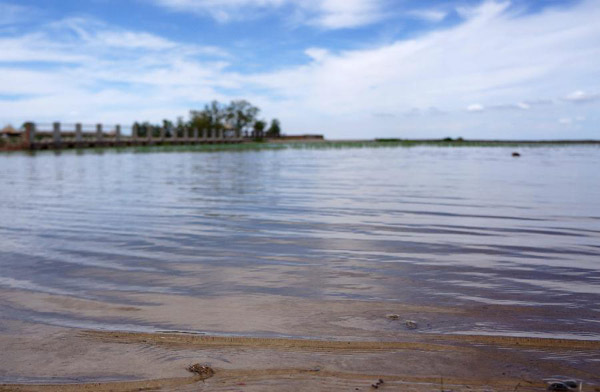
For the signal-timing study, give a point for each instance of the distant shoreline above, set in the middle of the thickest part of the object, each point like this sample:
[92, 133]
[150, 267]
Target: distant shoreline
[283, 143]
[458, 142]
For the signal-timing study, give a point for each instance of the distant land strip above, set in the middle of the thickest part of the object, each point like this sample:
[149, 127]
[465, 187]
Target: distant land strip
[310, 143]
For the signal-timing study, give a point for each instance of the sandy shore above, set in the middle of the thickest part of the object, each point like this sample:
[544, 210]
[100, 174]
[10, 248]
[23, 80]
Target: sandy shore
[278, 343]
[43, 358]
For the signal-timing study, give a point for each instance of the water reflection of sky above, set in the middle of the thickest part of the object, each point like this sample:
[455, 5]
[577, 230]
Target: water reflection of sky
[422, 225]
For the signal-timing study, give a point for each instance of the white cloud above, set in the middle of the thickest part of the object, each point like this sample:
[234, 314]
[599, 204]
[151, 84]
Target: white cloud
[565, 120]
[490, 59]
[221, 10]
[317, 54]
[329, 14]
[429, 15]
[100, 73]
[475, 107]
[510, 106]
[571, 120]
[503, 106]
[134, 40]
[582, 97]
[335, 14]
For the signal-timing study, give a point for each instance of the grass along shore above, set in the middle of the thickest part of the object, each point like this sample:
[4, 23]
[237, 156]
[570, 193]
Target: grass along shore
[274, 144]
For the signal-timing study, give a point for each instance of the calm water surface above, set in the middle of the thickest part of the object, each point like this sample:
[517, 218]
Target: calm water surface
[425, 225]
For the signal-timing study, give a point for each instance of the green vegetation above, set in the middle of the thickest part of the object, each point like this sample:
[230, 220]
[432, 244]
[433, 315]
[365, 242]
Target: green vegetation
[315, 145]
[238, 118]
[325, 145]
[274, 129]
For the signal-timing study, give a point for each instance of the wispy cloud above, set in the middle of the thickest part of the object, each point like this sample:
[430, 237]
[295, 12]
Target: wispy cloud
[582, 97]
[221, 10]
[429, 15]
[86, 68]
[475, 108]
[329, 14]
[12, 13]
[571, 120]
[478, 108]
[335, 14]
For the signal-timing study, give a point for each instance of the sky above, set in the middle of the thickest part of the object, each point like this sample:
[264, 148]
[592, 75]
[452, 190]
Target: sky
[348, 69]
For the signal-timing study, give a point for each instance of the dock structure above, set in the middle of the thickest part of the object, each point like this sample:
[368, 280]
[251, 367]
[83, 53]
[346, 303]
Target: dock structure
[58, 135]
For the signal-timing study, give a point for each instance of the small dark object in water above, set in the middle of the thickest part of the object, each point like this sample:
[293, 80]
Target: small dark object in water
[411, 324]
[558, 386]
[393, 316]
[571, 383]
[203, 371]
[377, 384]
[516, 154]
[564, 384]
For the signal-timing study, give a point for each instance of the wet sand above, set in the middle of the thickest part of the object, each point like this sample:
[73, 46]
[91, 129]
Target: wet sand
[309, 345]
[120, 361]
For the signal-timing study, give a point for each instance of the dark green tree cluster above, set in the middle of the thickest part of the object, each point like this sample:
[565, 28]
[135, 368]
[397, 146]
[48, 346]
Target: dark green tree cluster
[275, 129]
[144, 128]
[238, 117]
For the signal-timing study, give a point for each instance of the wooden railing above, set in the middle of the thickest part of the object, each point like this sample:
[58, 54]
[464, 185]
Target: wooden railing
[58, 136]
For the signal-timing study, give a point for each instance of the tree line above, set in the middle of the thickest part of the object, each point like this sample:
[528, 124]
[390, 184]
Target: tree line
[239, 117]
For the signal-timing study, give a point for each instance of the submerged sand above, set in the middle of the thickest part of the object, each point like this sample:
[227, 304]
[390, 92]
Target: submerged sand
[159, 361]
[277, 343]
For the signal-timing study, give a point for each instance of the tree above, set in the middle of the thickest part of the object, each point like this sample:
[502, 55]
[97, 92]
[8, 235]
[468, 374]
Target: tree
[211, 118]
[259, 128]
[168, 127]
[275, 128]
[241, 114]
[238, 116]
[200, 120]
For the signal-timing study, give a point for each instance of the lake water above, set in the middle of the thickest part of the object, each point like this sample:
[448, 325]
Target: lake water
[456, 227]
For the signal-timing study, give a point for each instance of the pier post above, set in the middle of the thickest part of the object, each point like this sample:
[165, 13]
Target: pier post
[195, 134]
[204, 134]
[56, 137]
[221, 139]
[29, 135]
[149, 133]
[162, 134]
[99, 133]
[117, 133]
[134, 132]
[78, 134]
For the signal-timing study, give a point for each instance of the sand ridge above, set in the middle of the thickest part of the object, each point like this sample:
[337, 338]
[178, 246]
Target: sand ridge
[199, 340]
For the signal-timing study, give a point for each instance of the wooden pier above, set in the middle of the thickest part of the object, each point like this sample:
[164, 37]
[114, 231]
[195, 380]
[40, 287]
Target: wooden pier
[64, 136]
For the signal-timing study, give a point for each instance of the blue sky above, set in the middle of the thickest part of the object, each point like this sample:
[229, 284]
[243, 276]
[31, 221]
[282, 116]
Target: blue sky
[345, 68]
